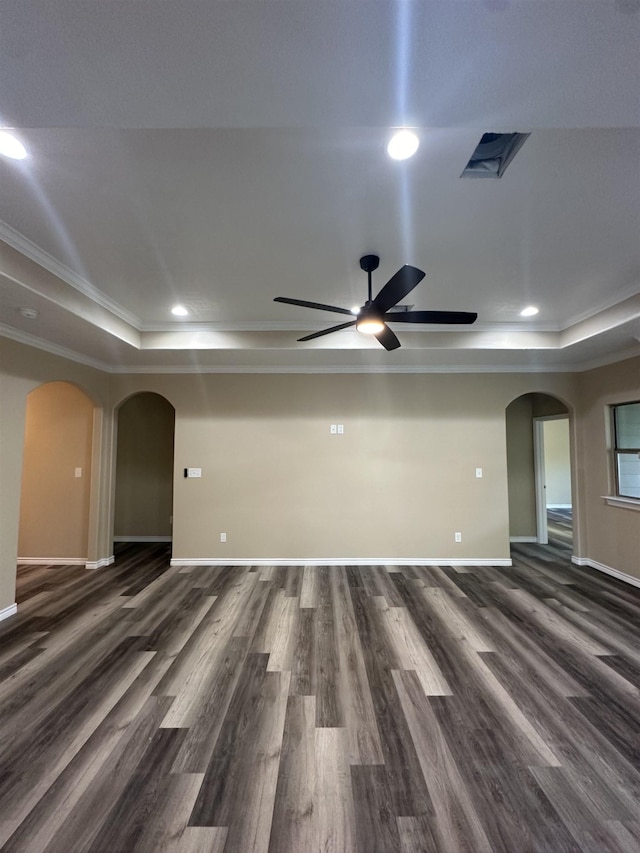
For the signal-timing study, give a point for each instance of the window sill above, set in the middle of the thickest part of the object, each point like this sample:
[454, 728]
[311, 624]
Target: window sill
[625, 503]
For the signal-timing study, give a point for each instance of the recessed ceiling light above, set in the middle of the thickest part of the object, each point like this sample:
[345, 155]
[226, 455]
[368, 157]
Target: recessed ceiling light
[529, 311]
[403, 145]
[11, 147]
[179, 311]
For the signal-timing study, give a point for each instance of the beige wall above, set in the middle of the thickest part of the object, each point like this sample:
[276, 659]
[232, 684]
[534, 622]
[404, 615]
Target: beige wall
[54, 506]
[544, 406]
[144, 467]
[23, 368]
[611, 534]
[557, 464]
[397, 484]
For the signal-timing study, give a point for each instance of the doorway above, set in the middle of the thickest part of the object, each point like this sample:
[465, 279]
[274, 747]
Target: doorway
[143, 509]
[538, 463]
[552, 460]
[56, 476]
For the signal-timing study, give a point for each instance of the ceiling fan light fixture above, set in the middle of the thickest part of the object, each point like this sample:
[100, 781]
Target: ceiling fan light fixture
[403, 144]
[370, 325]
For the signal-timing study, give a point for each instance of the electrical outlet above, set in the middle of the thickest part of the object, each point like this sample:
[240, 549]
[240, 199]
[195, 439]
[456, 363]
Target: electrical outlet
[340, 429]
[457, 536]
[479, 473]
[194, 472]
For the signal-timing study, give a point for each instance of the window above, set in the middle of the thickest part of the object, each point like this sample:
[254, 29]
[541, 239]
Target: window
[626, 431]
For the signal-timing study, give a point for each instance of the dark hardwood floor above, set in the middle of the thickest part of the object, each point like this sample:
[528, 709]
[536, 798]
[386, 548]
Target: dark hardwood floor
[149, 708]
[560, 527]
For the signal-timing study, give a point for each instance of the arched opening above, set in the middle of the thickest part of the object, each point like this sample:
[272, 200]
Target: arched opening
[143, 510]
[539, 470]
[56, 476]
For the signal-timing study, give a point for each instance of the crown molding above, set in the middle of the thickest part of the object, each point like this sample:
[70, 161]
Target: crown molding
[605, 360]
[54, 349]
[29, 250]
[309, 325]
[153, 369]
[344, 369]
[39, 256]
[632, 289]
[44, 259]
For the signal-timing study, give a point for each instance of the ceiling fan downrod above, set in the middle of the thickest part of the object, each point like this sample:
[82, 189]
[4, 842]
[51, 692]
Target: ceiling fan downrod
[369, 263]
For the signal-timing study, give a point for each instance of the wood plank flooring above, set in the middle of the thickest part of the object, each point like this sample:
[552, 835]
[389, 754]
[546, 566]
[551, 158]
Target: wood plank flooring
[560, 526]
[295, 710]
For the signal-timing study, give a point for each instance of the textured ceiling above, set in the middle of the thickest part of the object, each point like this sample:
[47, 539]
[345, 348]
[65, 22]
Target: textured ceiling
[221, 154]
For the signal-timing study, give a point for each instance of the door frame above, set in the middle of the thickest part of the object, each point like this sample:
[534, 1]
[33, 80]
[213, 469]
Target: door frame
[542, 530]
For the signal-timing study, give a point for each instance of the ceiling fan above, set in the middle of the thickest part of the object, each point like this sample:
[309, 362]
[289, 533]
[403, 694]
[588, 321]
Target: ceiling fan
[373, 317]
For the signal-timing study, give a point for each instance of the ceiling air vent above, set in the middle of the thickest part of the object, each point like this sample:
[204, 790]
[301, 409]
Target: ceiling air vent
[493, 154]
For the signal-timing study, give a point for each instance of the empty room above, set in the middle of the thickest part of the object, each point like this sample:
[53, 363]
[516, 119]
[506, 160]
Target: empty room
[320, 426]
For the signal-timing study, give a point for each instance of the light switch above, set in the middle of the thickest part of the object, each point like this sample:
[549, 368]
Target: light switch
[340, 429]
[478, 473]
[78, 472]
[333, 429]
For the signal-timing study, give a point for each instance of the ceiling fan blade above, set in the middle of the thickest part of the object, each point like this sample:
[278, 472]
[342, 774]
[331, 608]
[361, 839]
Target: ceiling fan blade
[328, 331]
[388, 339]
[318, 305]
[398, 286]
[460, 317]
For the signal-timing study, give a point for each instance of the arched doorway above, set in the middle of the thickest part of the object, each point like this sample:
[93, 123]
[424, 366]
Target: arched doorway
[539, 470]
[56, 476]
[143, 510]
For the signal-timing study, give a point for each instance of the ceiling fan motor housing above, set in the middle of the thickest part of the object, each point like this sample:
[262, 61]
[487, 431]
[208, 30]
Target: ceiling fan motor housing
[369, 311]
[369, 263]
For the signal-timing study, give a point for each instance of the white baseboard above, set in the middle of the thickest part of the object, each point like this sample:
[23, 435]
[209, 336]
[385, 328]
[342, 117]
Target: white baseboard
[143, 538]
[608, 570]
[523, 539]
[345, 561]
[51, 561]
[100, 564]
[11, 610]
[65, 561]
